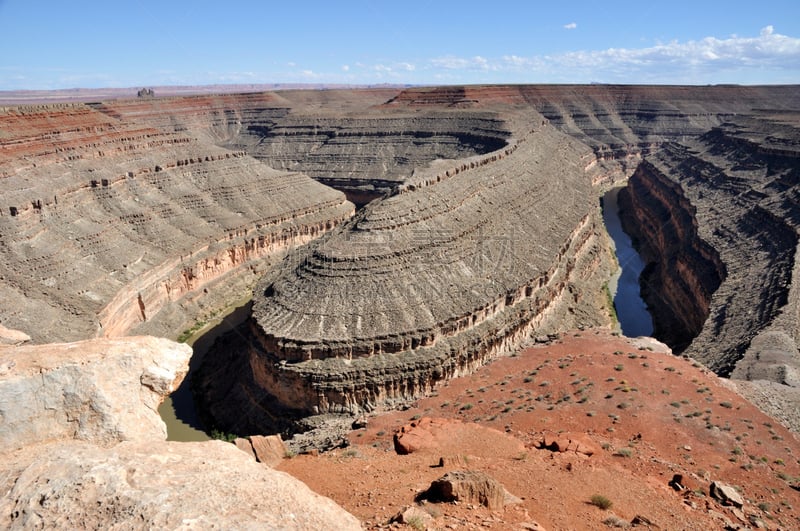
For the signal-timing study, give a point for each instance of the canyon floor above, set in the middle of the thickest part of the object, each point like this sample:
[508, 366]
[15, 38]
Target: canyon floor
[647, 414]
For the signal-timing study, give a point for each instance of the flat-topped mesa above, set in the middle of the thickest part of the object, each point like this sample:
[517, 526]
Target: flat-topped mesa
[619, 122]
[431, 283]
[106, 221]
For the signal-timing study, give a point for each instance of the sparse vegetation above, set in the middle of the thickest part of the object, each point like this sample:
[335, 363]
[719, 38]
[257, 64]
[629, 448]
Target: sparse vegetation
[187, 334]
[222, 436]
[416, 522]
[598, 500]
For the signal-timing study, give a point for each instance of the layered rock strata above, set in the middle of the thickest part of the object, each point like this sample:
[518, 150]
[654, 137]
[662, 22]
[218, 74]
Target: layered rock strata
[139, 215]
[105, 221]
[620, 122]
[683, 271]
[727, 200]
[424, 286]
[368, 156]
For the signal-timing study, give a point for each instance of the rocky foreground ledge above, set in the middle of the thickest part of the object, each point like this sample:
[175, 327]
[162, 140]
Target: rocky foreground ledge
[83, 447]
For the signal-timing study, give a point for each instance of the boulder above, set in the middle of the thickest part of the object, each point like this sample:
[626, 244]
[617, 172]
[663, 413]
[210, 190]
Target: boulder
[269, 449]
[566, 442]
[414, 516]
[100, 390]
[726, 494]
[468, 486]
[159, 485]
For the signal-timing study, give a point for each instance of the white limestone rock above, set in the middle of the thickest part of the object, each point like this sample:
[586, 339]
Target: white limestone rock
[160, 485]
[102, 391]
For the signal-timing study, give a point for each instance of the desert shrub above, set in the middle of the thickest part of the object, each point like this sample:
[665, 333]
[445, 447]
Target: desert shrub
[598, 500]
[416, 522]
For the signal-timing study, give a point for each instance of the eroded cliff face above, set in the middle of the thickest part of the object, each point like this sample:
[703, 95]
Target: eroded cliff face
[131, 215]
[337, 323]
[421, 287]
[106, 221]
[683, 271]
[721, 210]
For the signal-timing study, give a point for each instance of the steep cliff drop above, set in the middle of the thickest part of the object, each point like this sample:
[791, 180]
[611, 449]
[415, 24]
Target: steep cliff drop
[113, 224]
[682, 271]
[458, 267]
[717, 220]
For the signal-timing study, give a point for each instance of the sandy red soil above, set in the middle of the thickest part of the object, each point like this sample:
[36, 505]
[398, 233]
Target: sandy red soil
[651, 414]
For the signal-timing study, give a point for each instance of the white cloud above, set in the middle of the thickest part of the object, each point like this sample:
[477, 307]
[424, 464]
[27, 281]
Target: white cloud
[709, 60]
[570, 26]
[346, 68]
[450, 62]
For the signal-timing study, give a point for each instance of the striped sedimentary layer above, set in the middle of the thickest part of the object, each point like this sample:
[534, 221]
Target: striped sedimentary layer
[428, 284]
[105, 221]
[718, 217]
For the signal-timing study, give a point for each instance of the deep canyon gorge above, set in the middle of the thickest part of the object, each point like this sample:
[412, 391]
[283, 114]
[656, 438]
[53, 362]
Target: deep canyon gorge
[394, 239]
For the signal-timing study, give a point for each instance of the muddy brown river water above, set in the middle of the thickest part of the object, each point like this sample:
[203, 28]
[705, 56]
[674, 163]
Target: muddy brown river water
[178, 411]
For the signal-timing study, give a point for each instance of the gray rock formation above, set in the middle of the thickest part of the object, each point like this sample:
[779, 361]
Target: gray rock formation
[734, 222]
[160, 485]
[108, 221]
[143, 215]
[64, 408]
[100, 391]
[426, 285]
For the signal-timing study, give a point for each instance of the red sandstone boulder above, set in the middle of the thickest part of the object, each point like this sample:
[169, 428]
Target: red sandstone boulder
[468, 486]
[569, 442]
[269, 449]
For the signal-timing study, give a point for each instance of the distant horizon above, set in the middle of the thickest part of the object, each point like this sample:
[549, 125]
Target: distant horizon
[93, 45]
[85, 94]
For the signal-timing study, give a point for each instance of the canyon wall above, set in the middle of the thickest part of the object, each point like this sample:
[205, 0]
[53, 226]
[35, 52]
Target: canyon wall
[105, 221]
[683, 271]
[420, 287]
[718, 216]
[140, 215]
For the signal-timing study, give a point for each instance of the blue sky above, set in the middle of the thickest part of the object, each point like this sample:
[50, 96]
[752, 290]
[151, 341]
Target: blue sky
[66, 44]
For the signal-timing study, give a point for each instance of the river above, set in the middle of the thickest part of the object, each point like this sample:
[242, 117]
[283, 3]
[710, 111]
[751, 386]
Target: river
[634, 319]
[180, 415]
[178, 411]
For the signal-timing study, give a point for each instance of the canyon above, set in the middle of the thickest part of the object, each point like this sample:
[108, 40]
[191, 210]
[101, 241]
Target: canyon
[394, 239]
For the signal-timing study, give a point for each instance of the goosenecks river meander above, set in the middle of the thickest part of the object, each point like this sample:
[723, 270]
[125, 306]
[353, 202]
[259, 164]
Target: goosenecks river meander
[634, 319]
[180, 416]
[178, 411]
